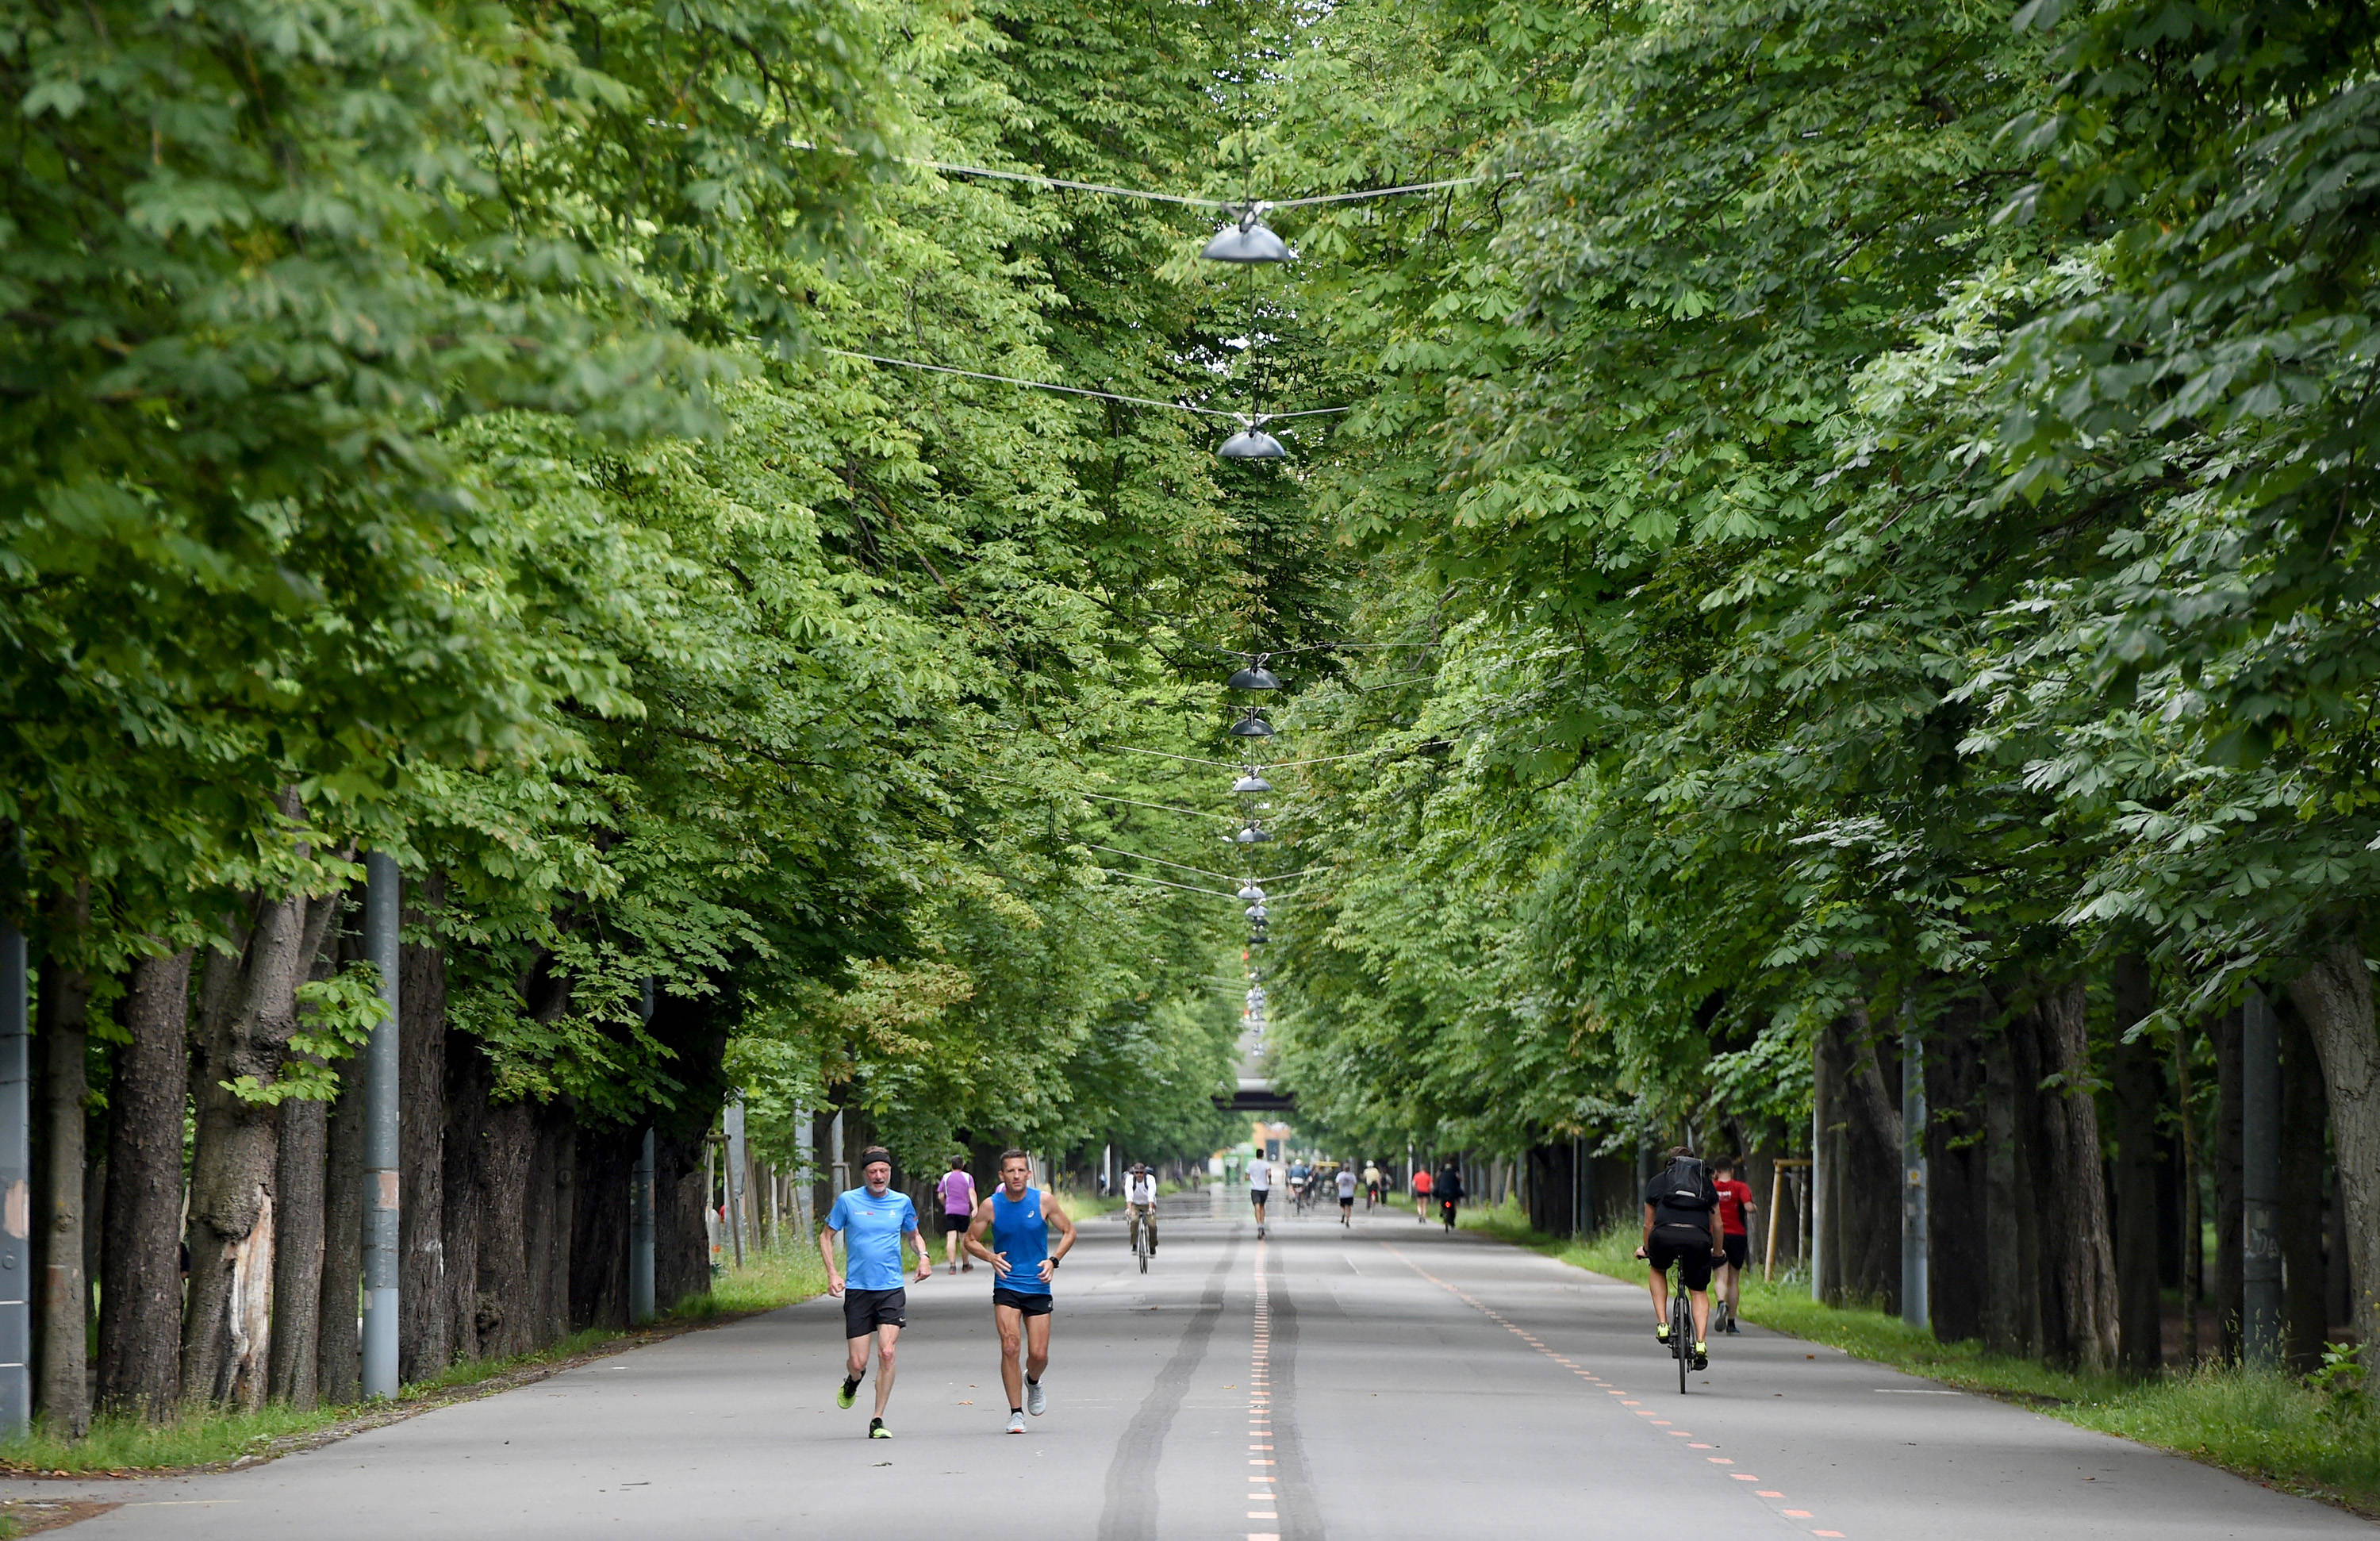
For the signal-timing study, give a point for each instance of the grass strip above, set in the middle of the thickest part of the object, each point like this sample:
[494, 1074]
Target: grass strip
[2267, 1426]
[215, 1438]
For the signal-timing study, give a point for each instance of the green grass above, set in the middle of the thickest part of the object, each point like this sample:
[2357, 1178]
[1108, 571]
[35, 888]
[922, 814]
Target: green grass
[2265, 1425]
[212, 1438]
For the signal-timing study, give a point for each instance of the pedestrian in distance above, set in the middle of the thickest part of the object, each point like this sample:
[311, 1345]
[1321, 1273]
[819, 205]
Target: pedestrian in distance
[1260, 1191]
[1421, 1194]
[1682, 1227]
[1346, 1181]
[1735, 1209]
[872, 1221]
[1018, 1218]
[1448, 1188]
[957, 1191]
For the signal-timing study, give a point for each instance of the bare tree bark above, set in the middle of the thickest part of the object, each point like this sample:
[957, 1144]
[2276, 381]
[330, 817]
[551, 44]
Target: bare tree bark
[425, 1339]
[248, 1011]
[339, 1353]
[2136, 1084]
[2335, 998]
[62, 1357]
[507, 1143]
[2078, 1262]
[2305, 1317]
[2229, 1286]
[463, 1197]
[2004, 1199]
[140, 1292]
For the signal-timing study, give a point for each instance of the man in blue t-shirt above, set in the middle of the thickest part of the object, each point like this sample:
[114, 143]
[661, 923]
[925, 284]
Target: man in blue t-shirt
[872, 1220]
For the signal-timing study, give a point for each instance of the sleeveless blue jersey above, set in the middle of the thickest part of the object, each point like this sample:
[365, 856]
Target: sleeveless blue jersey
[1021, 1235]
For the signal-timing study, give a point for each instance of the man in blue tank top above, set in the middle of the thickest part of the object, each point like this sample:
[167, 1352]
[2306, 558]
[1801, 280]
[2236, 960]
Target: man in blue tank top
[1019, 1218]
[872, 1220]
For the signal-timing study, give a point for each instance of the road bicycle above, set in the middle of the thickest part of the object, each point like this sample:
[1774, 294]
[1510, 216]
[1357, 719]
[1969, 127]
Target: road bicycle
[1682, 1329]
[1141, 1244]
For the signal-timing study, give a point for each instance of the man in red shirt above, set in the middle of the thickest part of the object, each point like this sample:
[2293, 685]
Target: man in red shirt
[1735, 1209]
[1421, 1192]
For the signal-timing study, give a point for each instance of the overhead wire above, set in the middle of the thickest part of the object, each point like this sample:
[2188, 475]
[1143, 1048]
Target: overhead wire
[1084, 391]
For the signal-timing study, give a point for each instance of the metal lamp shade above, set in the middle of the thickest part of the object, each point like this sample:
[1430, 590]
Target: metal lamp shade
[1252, 894]
[1252, 834]
[1247, 239]
[1257, 912]
[1252, 443]
[1252, 783]
[1256, 678]
[1252, 726]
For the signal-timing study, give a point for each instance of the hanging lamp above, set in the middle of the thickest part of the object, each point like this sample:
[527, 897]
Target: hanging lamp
[1252, 894]
[1257, 912]
[1252, 781]
[1251, 442]
[1247, 239]
[1256, 676]
[1252, 726]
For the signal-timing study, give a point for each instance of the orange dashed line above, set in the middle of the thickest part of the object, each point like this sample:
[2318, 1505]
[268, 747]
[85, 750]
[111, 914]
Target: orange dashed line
[1769, 1493]
[1739, 1476]
[1836, 1533]
[1797, 1514]
[1718, 1460]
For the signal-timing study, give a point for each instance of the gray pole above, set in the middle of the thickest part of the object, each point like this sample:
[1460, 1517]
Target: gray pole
[640, 1234]
[2260, 1181]
[732, 1118]
[16, 1173]
[640, 1207]
[381, 900]
[1916, 1302]
[1819, 1261]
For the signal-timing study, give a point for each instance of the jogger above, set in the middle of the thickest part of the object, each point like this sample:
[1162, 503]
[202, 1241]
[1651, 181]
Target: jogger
[1019, 1218]
[872, 1220]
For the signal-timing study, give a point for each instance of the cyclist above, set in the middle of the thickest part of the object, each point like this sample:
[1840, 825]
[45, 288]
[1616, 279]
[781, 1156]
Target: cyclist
[1682, 1226]
[1298, 1173]
[1371, 1185]
[1140, 1201]
[1346, 1195]
[1450, 1193]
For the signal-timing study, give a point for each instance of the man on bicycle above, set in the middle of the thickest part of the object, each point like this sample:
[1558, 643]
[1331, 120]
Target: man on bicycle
[1371, 1185]
[1682, 1226]
[1140, 1201]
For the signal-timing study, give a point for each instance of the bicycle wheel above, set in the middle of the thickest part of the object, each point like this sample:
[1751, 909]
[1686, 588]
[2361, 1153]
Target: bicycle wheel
[1681, 1328]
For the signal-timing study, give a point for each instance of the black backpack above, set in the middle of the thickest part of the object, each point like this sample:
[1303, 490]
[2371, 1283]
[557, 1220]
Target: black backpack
[1682, 1199]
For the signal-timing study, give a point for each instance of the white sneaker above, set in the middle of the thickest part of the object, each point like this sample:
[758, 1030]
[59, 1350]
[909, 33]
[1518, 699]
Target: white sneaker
[1016, 1423]
[1036, 1401]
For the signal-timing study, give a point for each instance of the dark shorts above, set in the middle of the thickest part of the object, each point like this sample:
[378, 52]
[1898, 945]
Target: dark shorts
[1032, 1306]
[1739, 1248]
[1694, 1258]
[1346, 1201]
[866, 1310]
[956, 1222]
[1258, 1197]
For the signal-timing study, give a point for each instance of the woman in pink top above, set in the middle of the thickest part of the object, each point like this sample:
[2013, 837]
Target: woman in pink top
[957, 1188]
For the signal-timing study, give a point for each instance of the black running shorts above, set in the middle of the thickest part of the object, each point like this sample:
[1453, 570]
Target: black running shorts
[956, 1222]
[1694, 1257]
[1031, 1305]
[1738, 1249]
[866, 1310]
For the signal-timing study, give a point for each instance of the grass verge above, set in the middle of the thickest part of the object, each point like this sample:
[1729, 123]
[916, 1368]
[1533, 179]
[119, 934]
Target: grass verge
[2266, 1426]
[203, 1439]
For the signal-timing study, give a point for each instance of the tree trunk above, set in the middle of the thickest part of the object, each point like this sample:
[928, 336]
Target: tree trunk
[425, 1338]
[140, 1291]
[2335, 998]
[1871, 1170]
[2004, 1197]
[338, 1355]
[2305, 1320]
[2078, 1260]
[1956, 1209]
[681, 1244]
[248, 1011]
[599, 1240]
[2230, 1289]
[506, 1144]
[297, 1254]
[62, 1392]
[464, 1197]
[2136, 1083]
[546, 1223]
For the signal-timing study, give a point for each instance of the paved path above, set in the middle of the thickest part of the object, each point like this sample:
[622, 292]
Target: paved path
[1383, 1382]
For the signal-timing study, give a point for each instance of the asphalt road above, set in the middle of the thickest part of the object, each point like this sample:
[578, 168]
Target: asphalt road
[1382, 1381]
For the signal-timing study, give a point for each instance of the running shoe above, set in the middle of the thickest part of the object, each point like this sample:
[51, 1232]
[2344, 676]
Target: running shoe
[1016, 1423]
[1702, 1356]
[1036, 1401]
[1731, 1329]
[876, 1430]
[846, 1393]
[1662, 1333]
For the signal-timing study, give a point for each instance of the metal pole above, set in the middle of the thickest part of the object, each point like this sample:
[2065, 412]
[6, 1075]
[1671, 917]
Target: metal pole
[381, 900]
[842, 1184]
[2260, 1183]
[1914, 1299]
[1818, 1259]
[733, 1119]
[640, 1205]
[15, 1172]
[640, 1234]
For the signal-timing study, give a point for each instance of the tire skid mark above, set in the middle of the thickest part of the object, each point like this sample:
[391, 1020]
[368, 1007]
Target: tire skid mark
[1129, 1509]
